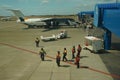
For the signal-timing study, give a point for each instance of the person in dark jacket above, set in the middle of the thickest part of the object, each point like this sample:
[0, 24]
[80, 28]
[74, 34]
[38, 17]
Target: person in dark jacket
[73, 52]
[64, 54]
[58, 57]
[42, 54]
[79, 50]
[37, 41]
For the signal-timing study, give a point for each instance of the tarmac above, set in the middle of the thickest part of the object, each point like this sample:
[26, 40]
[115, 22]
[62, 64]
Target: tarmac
[20, 60]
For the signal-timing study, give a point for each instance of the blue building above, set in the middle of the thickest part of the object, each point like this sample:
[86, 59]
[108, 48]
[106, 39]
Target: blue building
[107, 16]
[82, 15]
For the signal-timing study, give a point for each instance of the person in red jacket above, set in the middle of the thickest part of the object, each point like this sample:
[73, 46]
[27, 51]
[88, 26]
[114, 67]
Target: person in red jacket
[77, 60]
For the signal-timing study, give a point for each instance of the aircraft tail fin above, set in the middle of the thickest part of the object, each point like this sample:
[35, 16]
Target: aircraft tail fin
[18, 14]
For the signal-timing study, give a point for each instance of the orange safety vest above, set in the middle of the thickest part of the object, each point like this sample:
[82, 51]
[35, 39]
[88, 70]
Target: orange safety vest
[73, 50]
[77, 59]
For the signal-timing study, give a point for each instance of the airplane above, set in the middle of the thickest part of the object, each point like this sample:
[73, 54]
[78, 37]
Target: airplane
[42, 22]
[6, 19]
[31, 22]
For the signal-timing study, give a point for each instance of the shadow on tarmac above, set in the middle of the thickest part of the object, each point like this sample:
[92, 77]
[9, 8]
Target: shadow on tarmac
[83, 57]
[65, 66]
[116, 46]
[48, 60]
[112, 62]
[84, 67]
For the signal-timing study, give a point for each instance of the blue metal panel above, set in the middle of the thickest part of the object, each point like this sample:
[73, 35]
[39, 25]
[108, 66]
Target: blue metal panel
[86, 13]
[96, 16]
[107, 16]
[99, 11]
[107, 40]
[109, 6]
[111, 20]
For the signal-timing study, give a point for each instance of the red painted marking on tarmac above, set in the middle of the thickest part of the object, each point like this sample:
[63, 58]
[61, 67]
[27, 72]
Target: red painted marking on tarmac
[50, 57]
[112, 75]
[18, 48]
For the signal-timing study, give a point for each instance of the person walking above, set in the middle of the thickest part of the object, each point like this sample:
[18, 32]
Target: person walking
[77, 60]
[73, 52]
[58, 57]
[37, 41]
[42, 54]
[64, 54]
[79, 50]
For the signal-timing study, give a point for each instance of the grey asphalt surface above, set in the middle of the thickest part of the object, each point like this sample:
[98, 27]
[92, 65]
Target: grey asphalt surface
[19, 59]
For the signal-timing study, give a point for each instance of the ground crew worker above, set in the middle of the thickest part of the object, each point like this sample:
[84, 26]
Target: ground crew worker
[77, 60]
[73, 52]
[37, 41]
[64, 54]
[58, 57]
[79, 49]
[42, 54]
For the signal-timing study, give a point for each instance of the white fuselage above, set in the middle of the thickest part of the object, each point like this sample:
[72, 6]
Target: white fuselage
[34, 21]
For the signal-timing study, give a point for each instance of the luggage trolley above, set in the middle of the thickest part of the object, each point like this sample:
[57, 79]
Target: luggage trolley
[93, 44]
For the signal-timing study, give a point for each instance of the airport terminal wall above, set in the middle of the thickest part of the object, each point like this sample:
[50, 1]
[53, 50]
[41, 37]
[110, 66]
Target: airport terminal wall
[108, 16]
